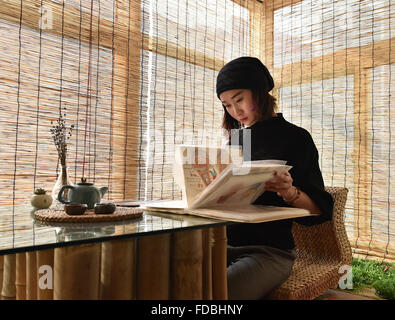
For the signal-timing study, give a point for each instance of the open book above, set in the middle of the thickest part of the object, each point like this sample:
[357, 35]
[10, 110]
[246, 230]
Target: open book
[217, 183]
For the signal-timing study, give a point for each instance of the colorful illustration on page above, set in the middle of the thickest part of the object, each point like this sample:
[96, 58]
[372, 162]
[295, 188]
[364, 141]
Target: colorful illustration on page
[207, 173]
[213, 173]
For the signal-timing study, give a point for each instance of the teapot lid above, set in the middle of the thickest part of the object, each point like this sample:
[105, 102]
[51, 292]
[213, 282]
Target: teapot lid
[84, 183]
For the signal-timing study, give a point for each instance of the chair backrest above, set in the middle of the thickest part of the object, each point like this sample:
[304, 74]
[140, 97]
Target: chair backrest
[327, 241]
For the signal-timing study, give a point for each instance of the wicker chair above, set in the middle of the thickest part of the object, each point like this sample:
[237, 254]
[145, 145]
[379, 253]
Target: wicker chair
[321, 251]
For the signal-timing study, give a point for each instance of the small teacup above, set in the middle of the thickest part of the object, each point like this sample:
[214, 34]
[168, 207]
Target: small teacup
[105, 208]
[75, 209]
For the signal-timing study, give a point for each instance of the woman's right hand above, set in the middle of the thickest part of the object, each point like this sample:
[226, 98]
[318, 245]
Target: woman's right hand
[282, 184]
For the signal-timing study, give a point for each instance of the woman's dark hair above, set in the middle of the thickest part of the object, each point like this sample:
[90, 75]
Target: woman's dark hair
[266, 107]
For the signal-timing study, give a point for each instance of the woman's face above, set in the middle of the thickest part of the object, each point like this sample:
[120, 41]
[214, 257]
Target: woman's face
[240, 105]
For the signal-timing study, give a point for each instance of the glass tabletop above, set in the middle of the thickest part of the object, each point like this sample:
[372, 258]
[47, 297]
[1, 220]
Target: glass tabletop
[20, 231]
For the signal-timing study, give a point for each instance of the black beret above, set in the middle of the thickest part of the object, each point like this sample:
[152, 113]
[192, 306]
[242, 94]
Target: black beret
[244, 73]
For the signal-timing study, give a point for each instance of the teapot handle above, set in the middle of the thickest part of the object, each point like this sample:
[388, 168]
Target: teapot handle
[103, 190]
[60, 198]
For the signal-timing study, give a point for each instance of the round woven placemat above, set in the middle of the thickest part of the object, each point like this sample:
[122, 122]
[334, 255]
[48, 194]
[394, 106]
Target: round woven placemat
[121, 213]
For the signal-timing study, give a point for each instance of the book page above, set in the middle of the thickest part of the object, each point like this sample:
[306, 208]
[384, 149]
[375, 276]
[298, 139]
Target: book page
[237, 185]
[250, 213]
[198, 176]
[198, 166]
[245, 213]
[174, 206]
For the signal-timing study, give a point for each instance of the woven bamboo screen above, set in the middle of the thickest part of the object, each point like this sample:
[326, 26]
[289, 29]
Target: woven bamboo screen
[333, 63]
[186, 43]
[78, 59]
[136, 77]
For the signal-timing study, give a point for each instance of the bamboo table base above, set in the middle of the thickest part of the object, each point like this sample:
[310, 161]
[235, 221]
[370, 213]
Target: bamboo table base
[180, 265]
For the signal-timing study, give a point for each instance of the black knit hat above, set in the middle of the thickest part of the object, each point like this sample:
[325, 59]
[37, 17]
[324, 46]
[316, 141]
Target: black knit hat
[244, 73]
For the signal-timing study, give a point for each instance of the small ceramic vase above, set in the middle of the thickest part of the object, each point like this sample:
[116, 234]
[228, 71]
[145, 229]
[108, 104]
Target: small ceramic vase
[40, 199]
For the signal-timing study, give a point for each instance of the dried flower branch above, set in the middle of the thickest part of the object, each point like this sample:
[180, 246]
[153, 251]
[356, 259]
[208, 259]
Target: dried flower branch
[60, 135]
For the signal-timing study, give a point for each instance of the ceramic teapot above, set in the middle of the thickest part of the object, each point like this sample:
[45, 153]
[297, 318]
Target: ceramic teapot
[83, 192]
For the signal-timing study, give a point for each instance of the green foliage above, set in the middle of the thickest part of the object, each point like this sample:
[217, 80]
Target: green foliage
[371, 274]
[40, 191]
[385, 288]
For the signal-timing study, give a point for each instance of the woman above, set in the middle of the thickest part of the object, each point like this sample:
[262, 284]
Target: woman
[260, 256]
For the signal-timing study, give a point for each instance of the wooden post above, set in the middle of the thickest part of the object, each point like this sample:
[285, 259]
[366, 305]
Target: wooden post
[77, 272]
[45, 268]
[31, 275]
[207, 238]
[187, 259]
[1, 271]
[126, 98]
[257, 29]
[20, 279]
[153, 267]
[8, 291]
[269, 36]
[220, 284]
[118, 270]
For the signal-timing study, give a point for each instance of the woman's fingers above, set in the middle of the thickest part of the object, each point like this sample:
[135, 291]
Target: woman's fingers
[280, 182]
[284, 178]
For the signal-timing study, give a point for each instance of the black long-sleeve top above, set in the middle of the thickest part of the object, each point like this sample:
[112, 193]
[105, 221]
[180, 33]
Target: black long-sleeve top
[279, 139]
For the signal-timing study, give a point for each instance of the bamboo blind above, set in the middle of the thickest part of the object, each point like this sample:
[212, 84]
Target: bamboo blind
[186, 43]
[152, 67]
[333, 63]
[77, 58]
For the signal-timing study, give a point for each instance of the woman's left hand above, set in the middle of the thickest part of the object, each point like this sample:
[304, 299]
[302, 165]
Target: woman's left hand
[282, 184]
